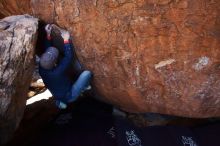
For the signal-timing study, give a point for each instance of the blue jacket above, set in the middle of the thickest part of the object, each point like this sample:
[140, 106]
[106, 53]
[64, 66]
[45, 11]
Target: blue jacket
[56, 79]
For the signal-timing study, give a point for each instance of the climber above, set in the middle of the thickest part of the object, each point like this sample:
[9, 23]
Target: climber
[53, 72]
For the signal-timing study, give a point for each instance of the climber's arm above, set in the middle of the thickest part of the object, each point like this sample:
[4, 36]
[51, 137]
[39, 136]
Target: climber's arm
[48, 42]
[67, 59]
[68, 53]
[48, 29]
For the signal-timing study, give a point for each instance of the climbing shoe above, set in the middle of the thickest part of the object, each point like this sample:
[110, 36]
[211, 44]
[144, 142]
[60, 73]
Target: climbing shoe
[61, 105]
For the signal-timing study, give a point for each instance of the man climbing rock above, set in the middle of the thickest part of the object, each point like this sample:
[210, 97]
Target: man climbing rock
[54, 72]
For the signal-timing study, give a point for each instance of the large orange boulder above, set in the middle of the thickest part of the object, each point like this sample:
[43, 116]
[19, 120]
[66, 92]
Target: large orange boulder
[158, 56]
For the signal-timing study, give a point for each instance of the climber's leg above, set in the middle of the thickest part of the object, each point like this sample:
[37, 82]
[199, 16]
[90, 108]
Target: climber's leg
[82, 84]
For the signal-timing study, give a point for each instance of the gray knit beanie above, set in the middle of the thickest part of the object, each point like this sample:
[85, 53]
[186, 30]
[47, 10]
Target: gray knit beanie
[49, 58]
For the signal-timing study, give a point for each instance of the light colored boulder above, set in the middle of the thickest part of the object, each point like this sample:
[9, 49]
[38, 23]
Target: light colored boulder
[18, 36]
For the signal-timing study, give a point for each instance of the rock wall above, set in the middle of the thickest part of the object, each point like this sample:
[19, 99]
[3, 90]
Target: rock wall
[146, 55]
[17, 41]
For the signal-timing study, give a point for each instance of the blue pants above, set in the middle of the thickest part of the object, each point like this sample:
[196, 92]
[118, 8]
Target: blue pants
[79, 86]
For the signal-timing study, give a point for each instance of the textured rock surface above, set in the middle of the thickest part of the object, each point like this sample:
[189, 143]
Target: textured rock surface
[17, 40]
[147, 55]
